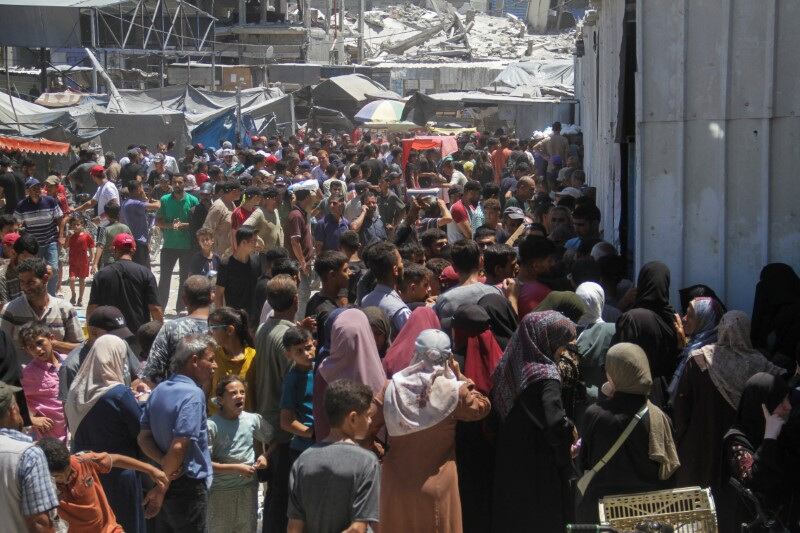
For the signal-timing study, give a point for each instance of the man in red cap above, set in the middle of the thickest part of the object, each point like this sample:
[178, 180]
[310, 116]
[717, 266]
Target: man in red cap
[128, 286]
[106, 192]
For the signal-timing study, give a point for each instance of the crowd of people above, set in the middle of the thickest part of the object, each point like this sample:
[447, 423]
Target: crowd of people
[381, 340]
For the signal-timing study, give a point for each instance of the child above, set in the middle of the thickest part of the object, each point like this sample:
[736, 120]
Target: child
[415, 286]
[296, 398]
[82, 500]
[80, 249]
[335, 484]
[40, 382]
[232, 437]
[205, 262]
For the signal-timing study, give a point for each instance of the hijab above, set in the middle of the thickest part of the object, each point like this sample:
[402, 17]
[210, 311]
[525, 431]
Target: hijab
[502, 317]
[565, 302]
[473, 337]
[354, 355]
[732, 360]
[779, 287]
[594, 298]
[103, 369]
[629, 372]
[325, 348]
[528, 356]
[652, 290]
[378, 322]
[400, 353]
[761, 388]
[424, 393]
[688, 294]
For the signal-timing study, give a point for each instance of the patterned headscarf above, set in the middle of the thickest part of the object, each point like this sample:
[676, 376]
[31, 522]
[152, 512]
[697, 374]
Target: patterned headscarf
[528, 357]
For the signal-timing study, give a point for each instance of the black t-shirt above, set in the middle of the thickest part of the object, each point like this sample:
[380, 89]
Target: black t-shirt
[129, 173]
[13, 185]
[357, 269]
[154, 177]
[320, 306]
[129, 287]
[203, 266]
[239, 281]
[375, 170]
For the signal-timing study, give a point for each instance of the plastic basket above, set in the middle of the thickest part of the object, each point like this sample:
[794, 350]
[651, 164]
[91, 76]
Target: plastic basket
[687, 509]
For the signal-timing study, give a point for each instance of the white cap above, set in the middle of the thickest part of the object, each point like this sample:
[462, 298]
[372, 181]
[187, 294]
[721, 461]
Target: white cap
[570, 191]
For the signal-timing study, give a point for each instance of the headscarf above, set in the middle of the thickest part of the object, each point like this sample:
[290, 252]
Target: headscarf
[594, 298]
[325, 348]
[708, 313]
[732, 360]
[565, 302]
[378, 322]
[528, 357]
[629, 372]
[652, 290]
[103, 369]
[354, 355]
[762, 388]
[502, 317]
[779, 286]
[426, 392]
[473, 337]
[400, 353]
[688, 294]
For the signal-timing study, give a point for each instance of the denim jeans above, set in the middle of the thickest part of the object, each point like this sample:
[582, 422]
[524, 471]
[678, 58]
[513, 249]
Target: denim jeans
[49, 253]
[169, 257]
[142, 254]
[185, 507]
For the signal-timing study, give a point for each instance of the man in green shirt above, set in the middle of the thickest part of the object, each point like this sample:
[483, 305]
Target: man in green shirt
[173, 219]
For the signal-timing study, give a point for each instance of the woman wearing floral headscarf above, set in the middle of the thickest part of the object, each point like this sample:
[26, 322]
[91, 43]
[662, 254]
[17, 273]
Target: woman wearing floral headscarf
[533, 464]
[421, 405]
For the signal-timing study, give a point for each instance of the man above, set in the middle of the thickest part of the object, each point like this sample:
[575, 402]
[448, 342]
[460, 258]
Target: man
[170, 163]
[106, 192]
[297, 234]
[461, 226]
[197, 294]
[434, 241]
[218, 220]
[266, 220]
[499, 157]
[333, 270]
[491, 219]
[105, 236]
[536, 261]
[42, 217]
[133, 170]
[173, 219]
[555, 149]
[330, 229]
[451, 175]
[269, 368]
[126, 285]
[386, 265]
[522, 195]
[390, 206]
[499, 263]
[133, 213]
[485, 237]
[468, 263]
[158, 170]
[239, 273]
[586, 221]
[565, 174]
[174, 433]
[513, 217]
[80, 176]
[12, 186]
[353, 207]
[28, 498]
[112, 167]
[368, 224]
[37, 306]
[9, 281]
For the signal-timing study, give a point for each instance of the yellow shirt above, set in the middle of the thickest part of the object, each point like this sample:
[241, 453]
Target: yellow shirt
[226, 367]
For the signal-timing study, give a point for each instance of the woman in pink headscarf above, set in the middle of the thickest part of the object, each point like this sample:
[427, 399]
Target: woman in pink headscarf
[401, 351]
[353, 356]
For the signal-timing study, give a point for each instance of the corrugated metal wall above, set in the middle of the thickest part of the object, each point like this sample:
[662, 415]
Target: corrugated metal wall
[718, 140]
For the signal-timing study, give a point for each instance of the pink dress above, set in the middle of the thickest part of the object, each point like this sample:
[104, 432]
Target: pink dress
[40, 384]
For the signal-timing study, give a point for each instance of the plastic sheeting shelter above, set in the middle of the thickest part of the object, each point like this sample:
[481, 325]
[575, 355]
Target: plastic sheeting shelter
[349, 93]
[27, 119]
[445, 144]
[536, 77]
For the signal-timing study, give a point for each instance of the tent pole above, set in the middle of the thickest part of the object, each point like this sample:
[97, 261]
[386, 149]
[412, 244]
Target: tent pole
[10, 96]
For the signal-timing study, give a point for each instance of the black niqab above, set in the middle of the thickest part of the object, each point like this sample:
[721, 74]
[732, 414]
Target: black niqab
[778, 288]
[502, 317]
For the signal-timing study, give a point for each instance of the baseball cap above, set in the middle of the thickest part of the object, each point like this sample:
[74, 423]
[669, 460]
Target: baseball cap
[7, 396]
[97, 169]
[31, 182]
[10, 238]
[570, 191]
[110, 319]
[124, 240]
[305, 164]
[158, 158]
[52, 180]
[270, 159]
[514, 213]
[227, 144]
[207, 188]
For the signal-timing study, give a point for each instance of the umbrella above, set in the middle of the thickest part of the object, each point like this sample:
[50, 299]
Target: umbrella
[381, 111]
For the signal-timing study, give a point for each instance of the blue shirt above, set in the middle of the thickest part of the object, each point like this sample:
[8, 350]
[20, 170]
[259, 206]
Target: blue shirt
[134, 215]
[298, 388]
[390, 303]
[328, 231]
[177, 408]
[573, 244]
[40, 218]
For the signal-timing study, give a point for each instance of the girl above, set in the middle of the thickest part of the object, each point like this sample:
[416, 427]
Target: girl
[233, 437]
[80, 249]
[229, 328]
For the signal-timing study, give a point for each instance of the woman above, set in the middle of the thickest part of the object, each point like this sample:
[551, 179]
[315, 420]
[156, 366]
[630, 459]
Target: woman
[533, 464]
[103, 416]
[565, 302]
[595, 339]
[421, 405]
[353, 356]
[502, 317]
[751, 451]
[401, 351]
[775, 303]
[651, 325]
[687, 294]
[229, 328]
[381, 328]
[708, 395]
[697, 329]
[647, 458]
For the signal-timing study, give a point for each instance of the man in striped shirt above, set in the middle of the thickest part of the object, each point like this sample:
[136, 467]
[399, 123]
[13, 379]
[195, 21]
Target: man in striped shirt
[43, 218]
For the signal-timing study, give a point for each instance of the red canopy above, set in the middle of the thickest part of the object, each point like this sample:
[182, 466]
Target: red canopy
[35, 146]
[446, 144]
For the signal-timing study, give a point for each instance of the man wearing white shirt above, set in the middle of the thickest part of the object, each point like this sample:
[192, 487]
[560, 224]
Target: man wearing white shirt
[106, 192]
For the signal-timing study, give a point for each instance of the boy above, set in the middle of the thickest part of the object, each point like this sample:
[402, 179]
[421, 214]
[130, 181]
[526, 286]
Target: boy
[82, 500]
[40, 382]
[205, 262]
[106, 234]
[296, 398]
[499, 263]
[334, 486]
[415, 286]
[239, 273]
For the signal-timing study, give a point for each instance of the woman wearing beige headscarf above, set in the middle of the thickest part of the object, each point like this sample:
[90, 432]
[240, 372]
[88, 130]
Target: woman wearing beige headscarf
[648, 458]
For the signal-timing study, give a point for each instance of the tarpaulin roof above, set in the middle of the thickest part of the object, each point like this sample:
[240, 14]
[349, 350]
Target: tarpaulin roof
[31, 120]
[34, 146]
[62, 99]
[350, 92]
[557, 73]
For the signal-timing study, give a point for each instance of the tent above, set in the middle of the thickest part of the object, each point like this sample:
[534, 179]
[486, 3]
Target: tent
[421, 108]
[446, 144]
[328, 119]
[22, 118]
[349, 93]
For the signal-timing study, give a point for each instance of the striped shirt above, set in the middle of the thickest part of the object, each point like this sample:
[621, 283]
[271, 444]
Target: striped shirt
[40, 218]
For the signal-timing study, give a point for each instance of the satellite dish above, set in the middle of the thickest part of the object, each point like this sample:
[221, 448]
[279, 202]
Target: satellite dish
[270, 52]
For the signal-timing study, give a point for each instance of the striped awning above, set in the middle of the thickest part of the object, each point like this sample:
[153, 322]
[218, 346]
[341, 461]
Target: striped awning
[33, 146]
